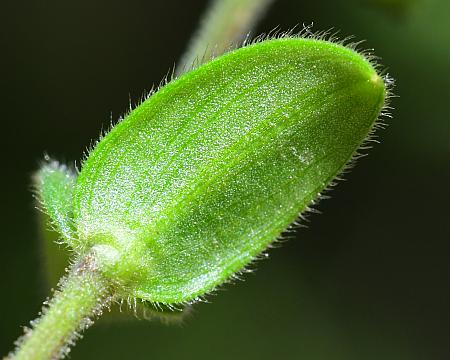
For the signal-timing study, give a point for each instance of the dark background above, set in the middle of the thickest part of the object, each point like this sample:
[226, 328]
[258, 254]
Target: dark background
[368, 279]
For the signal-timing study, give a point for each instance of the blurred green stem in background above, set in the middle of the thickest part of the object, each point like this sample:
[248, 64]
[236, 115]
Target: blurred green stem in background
[55, 257]
[225, 24]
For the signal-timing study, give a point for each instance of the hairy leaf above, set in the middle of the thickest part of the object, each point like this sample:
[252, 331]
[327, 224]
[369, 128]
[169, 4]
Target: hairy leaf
[54, 183]
[207, 172]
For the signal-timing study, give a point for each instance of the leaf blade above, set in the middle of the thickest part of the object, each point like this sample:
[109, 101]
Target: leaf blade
[54, 184]
[201, 177]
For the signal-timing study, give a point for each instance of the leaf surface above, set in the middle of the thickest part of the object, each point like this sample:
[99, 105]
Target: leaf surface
[54, 183]
[207, 172]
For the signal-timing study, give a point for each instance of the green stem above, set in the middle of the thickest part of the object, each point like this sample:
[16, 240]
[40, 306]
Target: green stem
[225, 23]
[83, 294]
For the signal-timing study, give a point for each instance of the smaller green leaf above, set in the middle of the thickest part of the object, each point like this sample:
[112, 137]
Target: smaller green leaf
[54, 184]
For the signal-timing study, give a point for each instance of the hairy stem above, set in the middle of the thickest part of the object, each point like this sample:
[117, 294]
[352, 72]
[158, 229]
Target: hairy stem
[82, 295]
[225, 23]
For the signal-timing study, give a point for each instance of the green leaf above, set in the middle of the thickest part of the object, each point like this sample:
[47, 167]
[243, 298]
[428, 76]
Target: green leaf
[201, 177]
[54, 184]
